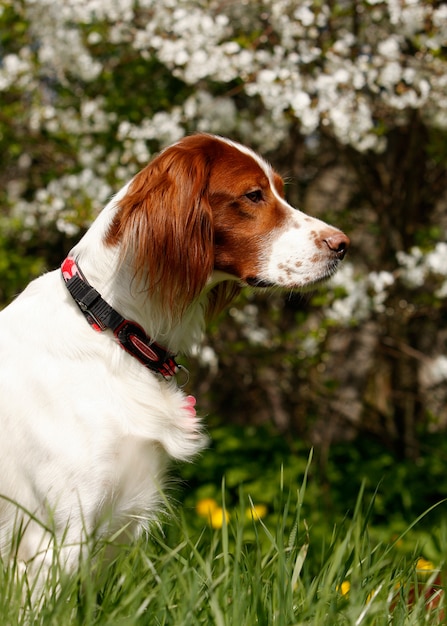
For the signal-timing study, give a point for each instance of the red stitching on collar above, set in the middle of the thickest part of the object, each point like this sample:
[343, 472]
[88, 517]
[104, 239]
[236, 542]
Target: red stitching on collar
[101, 316]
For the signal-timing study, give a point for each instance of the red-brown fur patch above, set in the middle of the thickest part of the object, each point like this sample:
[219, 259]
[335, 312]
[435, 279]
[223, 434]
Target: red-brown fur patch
[187, 213]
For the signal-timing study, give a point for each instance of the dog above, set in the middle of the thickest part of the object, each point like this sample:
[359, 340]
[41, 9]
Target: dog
[90, 409]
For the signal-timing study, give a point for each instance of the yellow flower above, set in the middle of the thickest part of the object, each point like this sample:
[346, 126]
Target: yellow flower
[256, 512]
[217, 517]
[344, 588]
[424, 566]
[206, 507]
[215, 514]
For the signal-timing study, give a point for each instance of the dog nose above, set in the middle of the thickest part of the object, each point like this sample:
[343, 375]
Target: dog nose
[338, 243]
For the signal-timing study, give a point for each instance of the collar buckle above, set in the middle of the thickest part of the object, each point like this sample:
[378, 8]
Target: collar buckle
[101, 316]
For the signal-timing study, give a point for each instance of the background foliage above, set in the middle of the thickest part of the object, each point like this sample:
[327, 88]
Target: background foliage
[347, 98]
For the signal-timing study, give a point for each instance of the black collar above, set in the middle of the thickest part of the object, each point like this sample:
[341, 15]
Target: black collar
[101, 316]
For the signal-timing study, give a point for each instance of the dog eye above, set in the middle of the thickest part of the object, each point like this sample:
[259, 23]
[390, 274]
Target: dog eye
[254, 196]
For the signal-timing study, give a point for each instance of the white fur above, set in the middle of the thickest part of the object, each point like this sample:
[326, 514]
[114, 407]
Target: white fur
[86, 430]
[293, 261]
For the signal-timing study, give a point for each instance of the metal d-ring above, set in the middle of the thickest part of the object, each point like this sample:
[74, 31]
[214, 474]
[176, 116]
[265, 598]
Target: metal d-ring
[185, 373]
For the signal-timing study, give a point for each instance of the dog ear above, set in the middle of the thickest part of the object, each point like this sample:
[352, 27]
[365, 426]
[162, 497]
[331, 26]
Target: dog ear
[164, 227]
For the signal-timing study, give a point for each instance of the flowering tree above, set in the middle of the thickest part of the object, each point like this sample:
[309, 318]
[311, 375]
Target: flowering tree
[90, 89]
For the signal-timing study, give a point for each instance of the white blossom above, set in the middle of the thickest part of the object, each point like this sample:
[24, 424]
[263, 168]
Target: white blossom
[433, 371]
[15, 70]
[367, 294]
[436, 260]
[389, 48]
[248, 318]
[283, 61]
[353, 305]
[304, 15]
[199, 41]
[416, 266]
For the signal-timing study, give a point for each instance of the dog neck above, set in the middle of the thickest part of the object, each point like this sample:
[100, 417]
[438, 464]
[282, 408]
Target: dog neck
[112, 276]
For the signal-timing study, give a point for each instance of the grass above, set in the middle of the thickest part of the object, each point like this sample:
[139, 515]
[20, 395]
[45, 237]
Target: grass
[247, 572]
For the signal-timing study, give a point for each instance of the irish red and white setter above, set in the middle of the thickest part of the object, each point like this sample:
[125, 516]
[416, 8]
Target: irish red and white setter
[90, 409]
